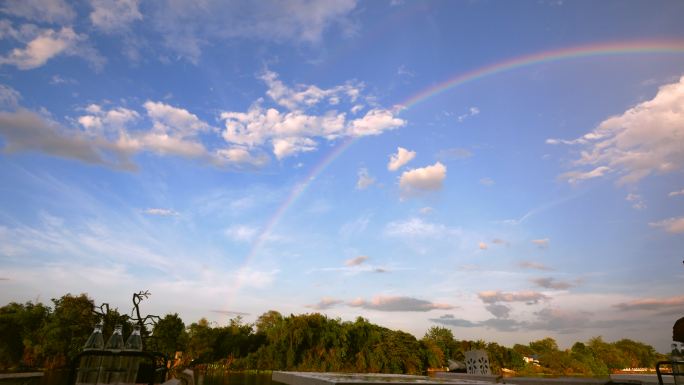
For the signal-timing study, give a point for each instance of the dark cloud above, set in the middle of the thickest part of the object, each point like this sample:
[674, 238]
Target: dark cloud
[398, 304]
[551, 283]
[450, 320]
[499, 310]
[25, 130]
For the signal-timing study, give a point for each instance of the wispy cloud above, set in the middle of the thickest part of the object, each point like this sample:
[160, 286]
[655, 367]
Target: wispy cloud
[653, 304]
[541, 243]
[161, 212]
[356, 261]
[671, 225]
[533, 265]
[326, 303]
[529, 297]
[676, 193]
[398, 304]
[552, 283]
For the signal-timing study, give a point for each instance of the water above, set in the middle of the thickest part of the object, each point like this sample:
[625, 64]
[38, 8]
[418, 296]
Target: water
[221, 378]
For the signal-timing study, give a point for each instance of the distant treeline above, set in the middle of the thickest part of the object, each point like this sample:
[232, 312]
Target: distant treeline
[39, 336]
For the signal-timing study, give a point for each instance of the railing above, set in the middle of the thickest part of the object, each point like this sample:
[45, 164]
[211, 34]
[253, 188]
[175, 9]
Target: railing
[152, 367]
[678, 375]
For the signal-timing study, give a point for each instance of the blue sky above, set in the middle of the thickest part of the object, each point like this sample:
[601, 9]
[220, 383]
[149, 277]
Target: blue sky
[237, 157]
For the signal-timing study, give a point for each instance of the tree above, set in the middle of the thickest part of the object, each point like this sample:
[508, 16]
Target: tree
[169, 335]
[68, 328]
[443, 338]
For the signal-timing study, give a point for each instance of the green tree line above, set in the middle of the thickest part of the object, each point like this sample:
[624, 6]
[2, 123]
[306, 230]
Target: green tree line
[40, 336]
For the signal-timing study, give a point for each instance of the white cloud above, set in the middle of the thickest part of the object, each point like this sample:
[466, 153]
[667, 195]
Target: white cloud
[676, 193]
[169, 119]
[646, 139]
[426, 210]
[47, 44]
[671, 225]
[248, 277]
[160, 212]
[365, 180]
[375, 122]
[472, 111]
[402, 157]
[241, 233]
[418, 228]
[428, 178]
[49, 11]
[542, 243]
[114, 15]
[637, 202]
[386, 303]
[297, 130]
[356, 261]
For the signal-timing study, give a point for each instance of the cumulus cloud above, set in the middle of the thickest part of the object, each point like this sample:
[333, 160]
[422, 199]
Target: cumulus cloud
[161, 212]
[114, 15]
[551, 283]
[429, 178]
[418, 228]
[392, 304]
[48, 11]
[47, 44]
[533, 265]
[529, 297]
[297, 130]
[671, 225]
[541, 243]
[400, 158]
[356, 261]
[644, 140]
[326, 303]
[365, 180]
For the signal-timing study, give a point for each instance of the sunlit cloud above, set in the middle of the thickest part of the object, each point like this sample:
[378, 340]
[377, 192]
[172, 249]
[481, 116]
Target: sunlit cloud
[652, 304]
[400, 158]
[429, 178]
[364, 180]
[326, 303]
[646, 139]
[542, 243]
[356, 260]
[676, 193]
[671, 225]
[482, 246]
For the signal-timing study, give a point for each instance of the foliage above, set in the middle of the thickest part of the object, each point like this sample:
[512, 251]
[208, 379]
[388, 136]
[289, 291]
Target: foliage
[35, 335]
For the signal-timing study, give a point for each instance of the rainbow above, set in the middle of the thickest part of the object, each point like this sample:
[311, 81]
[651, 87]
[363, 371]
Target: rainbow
[593, 50]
